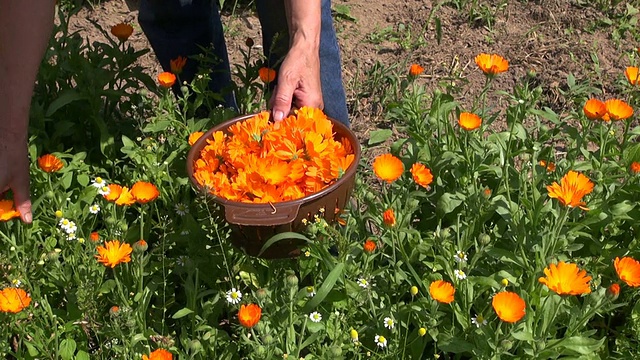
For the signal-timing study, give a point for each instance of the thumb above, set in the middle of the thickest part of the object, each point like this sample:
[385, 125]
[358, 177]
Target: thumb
[281, 100]
[22, 200]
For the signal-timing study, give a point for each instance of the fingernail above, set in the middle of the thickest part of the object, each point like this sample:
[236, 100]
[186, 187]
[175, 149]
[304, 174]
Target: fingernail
[28, 217]
[278, 115]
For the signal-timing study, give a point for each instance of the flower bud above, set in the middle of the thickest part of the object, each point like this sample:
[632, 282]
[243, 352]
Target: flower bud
[249, 42]
[354, 335]
[292, 280]
[50, 195]
[261, 352]
[261, 294]
[268, 339]
[335, 351]
[59, 213]
[422, 331]
[613, 291]
[195, 346]
[114, 310]
[140, 246]
[52, 256]
[414, 290]
[484, 239]
[184, 90]
[505, 282]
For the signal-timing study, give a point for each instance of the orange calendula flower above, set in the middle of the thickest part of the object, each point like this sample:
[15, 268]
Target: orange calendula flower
[13, 300]
[249, 315]
[632, 75]
[125, 198]
[618, 109]
[114, 192]
[628, 270]
[635, 167]
[442, 291]
[158, 354]
[595, 109]
[114, 253]
[8, 210]
[140, 245]
[415, 70]
[509, 306]
[178, 64]
[194, 137]
[122, 31]
[613, 290]
[389, 217]
[266, 74]
[388, 167]
[492, 64]
[550, 166]
[49, 163]
[166, 79]
[469, 121]
[572, 188]
[95, 236]
[369, 246]
[566, 279]
[144, 192]
[421, 175]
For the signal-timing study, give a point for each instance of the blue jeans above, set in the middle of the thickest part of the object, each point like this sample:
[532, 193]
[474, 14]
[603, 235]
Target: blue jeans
[180, 27]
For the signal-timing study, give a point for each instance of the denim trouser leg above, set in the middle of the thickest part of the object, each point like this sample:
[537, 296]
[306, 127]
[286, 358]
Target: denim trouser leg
[274, 25]
[178, 28]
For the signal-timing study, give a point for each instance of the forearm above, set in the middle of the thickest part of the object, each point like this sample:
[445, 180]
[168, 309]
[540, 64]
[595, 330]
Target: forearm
[25, 28]
[304, 20]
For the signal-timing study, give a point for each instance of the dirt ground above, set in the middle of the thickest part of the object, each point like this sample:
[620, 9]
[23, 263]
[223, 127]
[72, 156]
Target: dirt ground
[553, 38]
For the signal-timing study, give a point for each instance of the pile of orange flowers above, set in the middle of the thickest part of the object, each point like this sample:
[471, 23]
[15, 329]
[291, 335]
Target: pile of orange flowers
[259, 161]
[141, 192]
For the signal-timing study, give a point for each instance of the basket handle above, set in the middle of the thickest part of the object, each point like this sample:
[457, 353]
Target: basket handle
[266, 215]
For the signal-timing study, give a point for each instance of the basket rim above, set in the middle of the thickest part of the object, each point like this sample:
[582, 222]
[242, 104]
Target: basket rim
[199, 144]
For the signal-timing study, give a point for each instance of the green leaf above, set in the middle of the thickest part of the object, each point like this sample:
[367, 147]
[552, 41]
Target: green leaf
[107, 286]
[343, 11]
[81, 355]
[182, 313]
[324, 289]
[31, 349]
[631, 153]
[448, 202]
[83, 179]
[379, 136]
[64, 98]
[67, 349]
[282, 236]
[582, 345]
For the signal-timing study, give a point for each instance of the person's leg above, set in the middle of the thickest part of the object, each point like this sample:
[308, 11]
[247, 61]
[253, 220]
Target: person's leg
[179, 28]
[275, 39]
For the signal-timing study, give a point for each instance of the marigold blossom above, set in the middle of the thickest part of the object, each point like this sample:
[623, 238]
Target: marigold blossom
[421, 175]
[469, 121]
[618, 109]
[114, 253]
[388, 167]
[249, 315]
[144, 192]
[125, 198]
[266, 74]
[8, 210]
[95, 236]
[114, 192]
[549, 166]
[166, 79]
[632, 75]
[566, 279]
[13, 300]
[595, 109]
[415, 70]
[177, 64]
[572, 188]
[158, 354]
[389, 217]
[628, 270]
[193, 137]
[635, 167]
[613, 290]
[369, 246]
[509, 306]
[492, 64]
[49, 163]
[122, 31]
[442, 291]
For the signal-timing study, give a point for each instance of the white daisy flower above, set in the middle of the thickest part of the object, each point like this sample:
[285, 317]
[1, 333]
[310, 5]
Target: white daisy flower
[104, 191]
[315, 316]
[64, 223]
[459, 274]
[389, 323]
[460, 256]
[311, 291]
[16, 282]
[181, 260]
[234, 296]
[381, 341]
[98, 183]
[181, 209]
[363, 283]
[71, 228]
[71, 236]
[479, 320]
[94, 209]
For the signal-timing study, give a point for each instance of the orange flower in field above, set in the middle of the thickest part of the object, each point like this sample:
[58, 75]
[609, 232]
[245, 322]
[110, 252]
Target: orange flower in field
[550, 166]
[166, 79]
[632, 75]
[415, 70]
[442, 291]
[194, 137]
[266, 74]
[8, 210]
[249, 315]
[492, 64]
[144, 192]
[566, 279]
[421, 175]
[49, 163]
[13, 300]
[618, 109]
[122, 31]
[628, 270]
[389, 217]
[125, 198]
[509, 306]
[573, 187]
[158, 354]
[595, 109]
[369, 246]
[114, 253]
[388, 167]
[114, 192]
[469, 121]
[613, 290]
[95, 236]
[635, 167]
[177, 64]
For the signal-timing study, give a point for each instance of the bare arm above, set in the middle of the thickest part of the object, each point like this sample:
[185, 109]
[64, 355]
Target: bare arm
[25, 28]
[299, 79]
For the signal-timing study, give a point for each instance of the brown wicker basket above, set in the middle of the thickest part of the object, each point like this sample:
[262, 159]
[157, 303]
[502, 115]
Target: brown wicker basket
[252, 225]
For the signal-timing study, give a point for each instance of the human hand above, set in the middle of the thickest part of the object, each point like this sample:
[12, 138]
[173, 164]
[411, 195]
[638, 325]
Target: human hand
[14, 172]
[298, 83]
